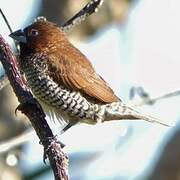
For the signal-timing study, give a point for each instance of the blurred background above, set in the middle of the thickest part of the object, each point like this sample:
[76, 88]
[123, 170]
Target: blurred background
[135, 46]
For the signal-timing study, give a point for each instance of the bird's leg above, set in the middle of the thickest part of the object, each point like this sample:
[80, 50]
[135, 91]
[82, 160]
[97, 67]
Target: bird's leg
[68, 126]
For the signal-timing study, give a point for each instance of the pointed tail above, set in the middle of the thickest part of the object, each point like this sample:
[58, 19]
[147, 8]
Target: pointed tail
[118, 110]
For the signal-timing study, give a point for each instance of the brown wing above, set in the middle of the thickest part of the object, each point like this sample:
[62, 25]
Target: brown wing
[70, 67]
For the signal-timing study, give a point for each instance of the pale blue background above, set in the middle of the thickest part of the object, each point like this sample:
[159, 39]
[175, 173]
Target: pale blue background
[144, 52]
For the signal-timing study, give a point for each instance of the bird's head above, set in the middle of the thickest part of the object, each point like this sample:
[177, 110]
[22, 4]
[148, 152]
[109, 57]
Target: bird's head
[39, 36]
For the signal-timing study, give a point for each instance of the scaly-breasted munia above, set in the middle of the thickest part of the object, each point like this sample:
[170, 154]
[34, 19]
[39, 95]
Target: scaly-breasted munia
[64, 80]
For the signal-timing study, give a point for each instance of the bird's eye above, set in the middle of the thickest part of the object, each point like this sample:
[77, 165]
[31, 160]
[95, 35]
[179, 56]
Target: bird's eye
[33, 32]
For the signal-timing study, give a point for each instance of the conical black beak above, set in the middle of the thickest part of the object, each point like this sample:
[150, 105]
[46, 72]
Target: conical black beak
[19, 36]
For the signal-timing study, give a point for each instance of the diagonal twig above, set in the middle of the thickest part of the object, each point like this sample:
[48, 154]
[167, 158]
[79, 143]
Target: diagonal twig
[89, 9]
[9, 27]
[6, 21]
[152, 100]
[32, 109]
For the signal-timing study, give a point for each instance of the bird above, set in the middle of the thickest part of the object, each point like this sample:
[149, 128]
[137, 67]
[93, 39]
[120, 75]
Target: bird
[64, 80]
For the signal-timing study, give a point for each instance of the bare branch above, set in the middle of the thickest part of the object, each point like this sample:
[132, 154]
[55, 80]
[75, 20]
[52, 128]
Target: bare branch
[32, 109]
[152, 100]
[6, 21]
[9, 27]
[90, 8]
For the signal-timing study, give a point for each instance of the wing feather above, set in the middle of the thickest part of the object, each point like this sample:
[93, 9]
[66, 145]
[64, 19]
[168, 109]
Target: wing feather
[76, 72]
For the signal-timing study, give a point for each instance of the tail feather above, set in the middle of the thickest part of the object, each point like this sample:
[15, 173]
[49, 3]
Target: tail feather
[119, 110]
[133, 114]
